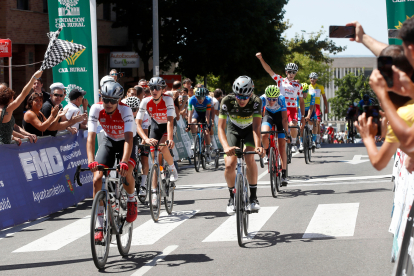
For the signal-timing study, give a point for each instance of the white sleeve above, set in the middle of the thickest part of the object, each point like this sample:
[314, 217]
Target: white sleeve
[93, 118]
[69, 113]
[169, 103]
[142, 109]
[146, 122]
[128, 118]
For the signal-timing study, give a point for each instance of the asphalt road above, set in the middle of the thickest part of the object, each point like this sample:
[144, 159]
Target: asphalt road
[332, 219]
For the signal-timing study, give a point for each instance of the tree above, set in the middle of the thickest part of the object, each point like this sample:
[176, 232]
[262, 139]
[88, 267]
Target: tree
[351, 88]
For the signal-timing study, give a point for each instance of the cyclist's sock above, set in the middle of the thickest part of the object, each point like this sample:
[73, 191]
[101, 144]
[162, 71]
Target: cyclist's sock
[314, 137]
[100, 216]
[231, 192]
[318, 138]
[253, 189]
[143, 180]
[172, 167]
[131, 197]
[301, 139]
[267, 151]
[293, 140]
[284, 173]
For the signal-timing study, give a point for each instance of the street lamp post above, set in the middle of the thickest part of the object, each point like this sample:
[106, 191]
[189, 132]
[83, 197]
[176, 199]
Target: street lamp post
[155, 40]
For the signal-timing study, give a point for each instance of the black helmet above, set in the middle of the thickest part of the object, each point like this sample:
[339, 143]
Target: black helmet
[365, 97]
[112, 90]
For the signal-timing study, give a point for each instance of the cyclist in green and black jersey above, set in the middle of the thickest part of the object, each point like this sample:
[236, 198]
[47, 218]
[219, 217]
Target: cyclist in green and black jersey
[243, 109]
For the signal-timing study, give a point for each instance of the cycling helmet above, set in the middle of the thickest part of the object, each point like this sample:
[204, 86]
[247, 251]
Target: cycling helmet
[201, 92]
[272, 91]
[106, 79]
[243, 85]
[157, 81]
[313, 75]
[132, 102]
[111, 89]
[305, 87]
[291, 67]
[365, 97]
[329, 125]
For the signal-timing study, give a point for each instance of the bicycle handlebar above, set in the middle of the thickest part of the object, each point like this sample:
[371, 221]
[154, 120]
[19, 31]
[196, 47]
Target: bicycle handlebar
[273, 132]
[294, 127]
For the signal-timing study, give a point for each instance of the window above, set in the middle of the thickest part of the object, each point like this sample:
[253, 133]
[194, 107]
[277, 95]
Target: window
[23, 4]
[106, 11]
[45, 8]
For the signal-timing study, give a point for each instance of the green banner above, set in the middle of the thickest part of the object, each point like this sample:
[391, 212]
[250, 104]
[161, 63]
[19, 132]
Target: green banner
[79, 26]
[397, 12]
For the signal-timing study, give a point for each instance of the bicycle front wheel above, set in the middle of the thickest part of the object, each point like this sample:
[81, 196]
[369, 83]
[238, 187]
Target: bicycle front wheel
[309, 145]
[197, 154]
[123, 239]
[100, 223]
[239, 208]
[203, 153]
[169, 196]
[217, 159]
[273, 172]
[154, 196]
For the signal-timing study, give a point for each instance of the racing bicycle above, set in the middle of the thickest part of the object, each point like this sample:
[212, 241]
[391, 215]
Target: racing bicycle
[200, 151]
[307, 142]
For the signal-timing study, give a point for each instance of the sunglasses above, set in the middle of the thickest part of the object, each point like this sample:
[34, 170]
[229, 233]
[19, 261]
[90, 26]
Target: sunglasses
[155, 87]
[313, 78]
[135, 109]
[291, 72]
[107, 100]
[200, 97]
[59, 95]
[240, 97]
[271, 99]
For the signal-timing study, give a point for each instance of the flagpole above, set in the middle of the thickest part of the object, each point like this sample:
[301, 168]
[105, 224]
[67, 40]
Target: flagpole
[10, 73]
[155, 42]
[94, 50]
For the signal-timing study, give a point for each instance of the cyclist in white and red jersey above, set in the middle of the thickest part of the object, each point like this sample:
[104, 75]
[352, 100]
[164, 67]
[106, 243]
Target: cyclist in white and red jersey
[291, 90]
[162, 112]
[119, 128]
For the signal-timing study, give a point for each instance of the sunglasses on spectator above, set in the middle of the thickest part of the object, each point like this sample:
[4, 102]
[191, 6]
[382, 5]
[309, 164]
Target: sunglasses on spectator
[135, 109]
[144, 85]
[108, 100]
[271, 99]
[240, 97]
[155, 87]
[113, 74]
[292, 72]
[59, 95]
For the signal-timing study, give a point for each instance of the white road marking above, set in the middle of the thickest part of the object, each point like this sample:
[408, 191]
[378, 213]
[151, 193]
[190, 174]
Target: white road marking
[59, 238]
[333, 220]
[144, 269]
[263, 174]
[150, 232]
[343, 178]
[227, 230]
[356, 160]
[8, 232]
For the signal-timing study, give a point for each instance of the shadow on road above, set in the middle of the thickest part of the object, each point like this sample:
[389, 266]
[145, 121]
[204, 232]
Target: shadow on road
[307, 177]
[210, 215]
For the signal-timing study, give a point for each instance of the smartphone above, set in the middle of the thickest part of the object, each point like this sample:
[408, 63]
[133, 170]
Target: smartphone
[342, 31]
[373, 111]
[385, 68]
[393, 33]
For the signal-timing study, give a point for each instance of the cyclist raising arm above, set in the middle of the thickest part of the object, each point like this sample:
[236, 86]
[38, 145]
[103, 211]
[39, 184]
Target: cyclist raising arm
[290, 89]
[119, 127]
[243, 108]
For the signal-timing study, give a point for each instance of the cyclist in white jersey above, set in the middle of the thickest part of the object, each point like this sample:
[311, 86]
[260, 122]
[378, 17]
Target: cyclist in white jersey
[291, 90]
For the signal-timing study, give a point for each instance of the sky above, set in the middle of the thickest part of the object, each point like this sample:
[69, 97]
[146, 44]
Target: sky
[310, 15]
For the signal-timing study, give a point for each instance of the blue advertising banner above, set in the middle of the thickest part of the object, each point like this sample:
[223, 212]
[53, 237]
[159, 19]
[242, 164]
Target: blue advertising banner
[37, 179]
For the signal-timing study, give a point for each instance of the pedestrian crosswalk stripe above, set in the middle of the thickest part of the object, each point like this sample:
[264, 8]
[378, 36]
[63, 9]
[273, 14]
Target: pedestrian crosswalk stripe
[227, 230]
[154, 262]
[59, 238]
[150, 232]
[333, 220]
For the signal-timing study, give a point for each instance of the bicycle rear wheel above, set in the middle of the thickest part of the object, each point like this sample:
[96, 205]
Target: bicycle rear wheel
[306, 145]
[239, 208]
[272, 171]
[169, 195]
[203, 153]
[123, 240]
[142, 199]
[100, 249]
[217, 159]
[197, 154]
[154, 206]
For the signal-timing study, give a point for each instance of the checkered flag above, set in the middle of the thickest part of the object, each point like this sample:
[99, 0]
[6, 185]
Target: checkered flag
[58, 50]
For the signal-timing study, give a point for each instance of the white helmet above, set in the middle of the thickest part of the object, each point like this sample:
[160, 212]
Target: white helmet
[132, 102]
[313, 75]
[106, 79]
[291, 67]
[243, 85]
[329, 125]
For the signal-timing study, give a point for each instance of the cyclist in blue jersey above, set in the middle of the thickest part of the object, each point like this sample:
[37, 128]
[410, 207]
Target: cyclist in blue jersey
[310, 113]
[275, 113]
[365, 101]
[199, 107]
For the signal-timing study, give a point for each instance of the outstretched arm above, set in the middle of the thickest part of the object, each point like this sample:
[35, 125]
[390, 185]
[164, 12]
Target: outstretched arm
[361, 37]
[265, 65]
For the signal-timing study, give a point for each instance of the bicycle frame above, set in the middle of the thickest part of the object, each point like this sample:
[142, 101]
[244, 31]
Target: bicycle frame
[162, 188]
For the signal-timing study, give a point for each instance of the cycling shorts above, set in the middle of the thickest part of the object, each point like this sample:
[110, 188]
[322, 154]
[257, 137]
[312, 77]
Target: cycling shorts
[201, 118]
[318, 111]
[107, 150]
[271, 119]
[234, 138]
[292, 114]
[157, 130]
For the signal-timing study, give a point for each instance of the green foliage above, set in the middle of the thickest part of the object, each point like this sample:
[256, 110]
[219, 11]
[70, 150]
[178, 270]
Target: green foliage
[351, 88]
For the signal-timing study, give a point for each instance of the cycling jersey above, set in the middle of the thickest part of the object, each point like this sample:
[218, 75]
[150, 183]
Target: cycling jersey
[193, 104]
[280, 104]
[240, 117]
[114, 125]
[317, 90]
[158, 112]
[309, 100]
[362, 103]
[289, 89]
[146, 121]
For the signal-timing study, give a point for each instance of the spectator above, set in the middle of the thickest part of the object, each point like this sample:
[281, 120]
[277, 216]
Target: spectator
[143, 83]
[8, 105]
[57, 95]
[113, 73]
[187, 84]
[76, 99]
[147, 92]
[405, 110]
[34, 121]
[37, 87]
[218, 95]
[132, 92]
[183, 102]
